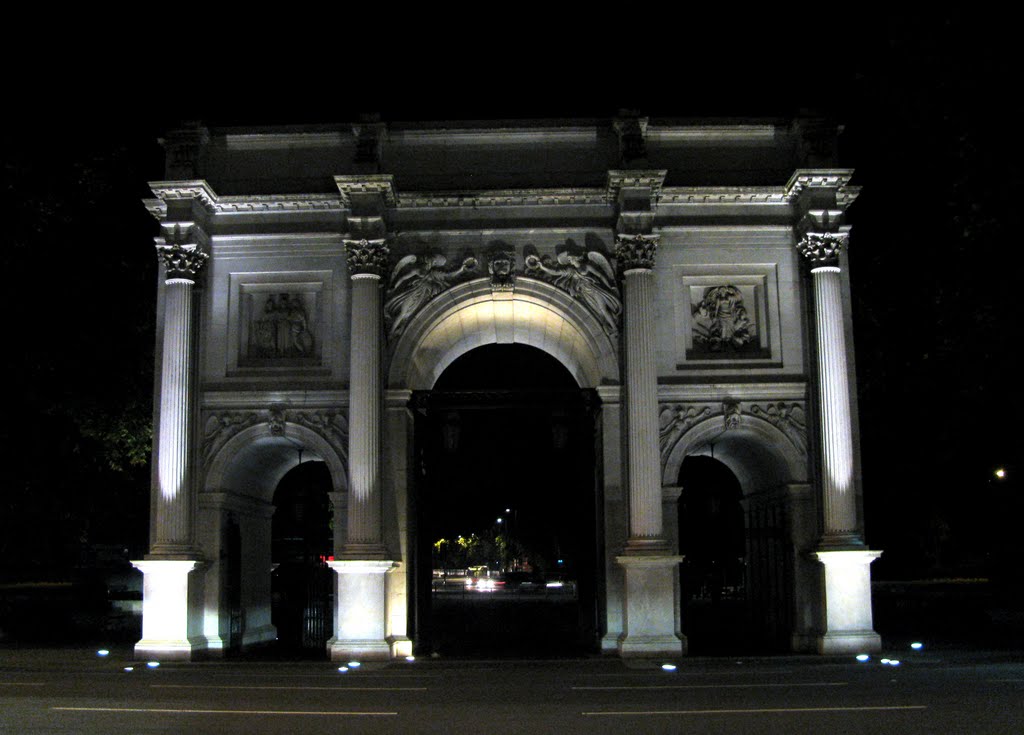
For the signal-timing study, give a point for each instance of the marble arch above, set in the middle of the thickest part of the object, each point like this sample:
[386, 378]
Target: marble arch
[663, 262]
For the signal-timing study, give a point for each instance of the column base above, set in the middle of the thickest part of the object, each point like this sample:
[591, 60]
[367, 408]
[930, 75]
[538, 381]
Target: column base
[172, 624]
[401, 646]
[650, 620]
[360, 610]
[847, 601]
[860, 641]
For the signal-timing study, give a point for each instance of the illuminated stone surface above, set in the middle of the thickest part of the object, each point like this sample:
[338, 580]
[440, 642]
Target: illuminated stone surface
[502, 233]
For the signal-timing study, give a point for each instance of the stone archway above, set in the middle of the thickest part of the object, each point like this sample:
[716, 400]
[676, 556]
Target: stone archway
[465, 317]
[473, 314]
[242, 475]
[759, 610]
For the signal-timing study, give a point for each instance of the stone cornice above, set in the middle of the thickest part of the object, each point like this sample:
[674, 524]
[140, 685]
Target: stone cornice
[724, 195]
[198, 190]
[202, 192]
[498, 198]
[641, 179]
[836, 179]
[383, 184]
[504, 198]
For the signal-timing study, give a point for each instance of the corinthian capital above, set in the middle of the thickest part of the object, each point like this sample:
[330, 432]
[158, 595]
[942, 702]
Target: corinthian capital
[367, 256]
[182, 250]
[822, 248]
[636, 251]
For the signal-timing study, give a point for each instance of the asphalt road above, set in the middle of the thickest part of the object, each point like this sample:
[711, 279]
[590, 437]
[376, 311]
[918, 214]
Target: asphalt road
[75, 691]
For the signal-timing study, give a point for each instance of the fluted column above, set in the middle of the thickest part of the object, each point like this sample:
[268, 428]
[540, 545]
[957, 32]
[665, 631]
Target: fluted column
[367, 260]
[635, 254]
[836, 420]
[173, 533]
[846, 622]
[172, 604]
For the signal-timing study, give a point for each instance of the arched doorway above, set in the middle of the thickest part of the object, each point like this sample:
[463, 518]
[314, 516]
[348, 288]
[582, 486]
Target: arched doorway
[736, 579]
[302, 541]
[505, 542]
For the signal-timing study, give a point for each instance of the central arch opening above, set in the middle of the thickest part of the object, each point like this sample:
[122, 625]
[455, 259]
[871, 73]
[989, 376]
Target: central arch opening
[506, 508]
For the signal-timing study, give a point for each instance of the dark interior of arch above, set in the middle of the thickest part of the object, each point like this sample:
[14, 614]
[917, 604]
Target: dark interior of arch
[507, 433]
[506, 367]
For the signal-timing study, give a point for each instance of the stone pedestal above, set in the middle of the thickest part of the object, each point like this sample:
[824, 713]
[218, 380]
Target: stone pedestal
[172, 601]
[651, 603]
[847, 585]
[360, 611]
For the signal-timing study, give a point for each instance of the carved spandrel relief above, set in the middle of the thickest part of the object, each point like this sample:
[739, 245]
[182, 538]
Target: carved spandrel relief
[787, 417]
[331, 425]
[281, 328]
[220, 427]
[587, 277]
[721, 322]
[674, 421]
[416, 280]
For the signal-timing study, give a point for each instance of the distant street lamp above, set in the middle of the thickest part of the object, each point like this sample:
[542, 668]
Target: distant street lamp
[1000, 473]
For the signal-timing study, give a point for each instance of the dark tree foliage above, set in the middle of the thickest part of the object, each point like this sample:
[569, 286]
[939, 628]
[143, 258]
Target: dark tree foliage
[79, 347]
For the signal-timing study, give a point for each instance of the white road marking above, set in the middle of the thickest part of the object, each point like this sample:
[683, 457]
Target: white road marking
[152, 710]
[759, 711]
[713, 686]
[299, 688]
[21, 684]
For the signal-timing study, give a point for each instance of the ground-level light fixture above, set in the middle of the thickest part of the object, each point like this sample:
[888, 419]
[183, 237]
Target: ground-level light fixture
[862, 657]
[917, 645]
[668, 667]
[102, 652]
[152, 664]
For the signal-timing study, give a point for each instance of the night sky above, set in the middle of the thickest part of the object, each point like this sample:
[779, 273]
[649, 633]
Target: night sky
[935, 253]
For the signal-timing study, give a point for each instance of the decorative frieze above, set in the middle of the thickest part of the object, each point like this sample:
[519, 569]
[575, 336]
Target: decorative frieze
[367, 256]
[636, 251]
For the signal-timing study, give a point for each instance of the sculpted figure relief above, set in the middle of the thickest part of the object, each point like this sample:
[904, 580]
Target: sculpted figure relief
[589, 279]
[283, 328]
[415, 281]
[721, 322]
